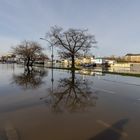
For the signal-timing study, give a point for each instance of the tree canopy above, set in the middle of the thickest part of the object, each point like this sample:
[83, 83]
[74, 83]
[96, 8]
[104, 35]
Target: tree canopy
[71, 43]
[29, 52]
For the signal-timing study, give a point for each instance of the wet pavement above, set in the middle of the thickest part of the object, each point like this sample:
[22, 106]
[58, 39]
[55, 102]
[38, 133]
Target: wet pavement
[41, 103]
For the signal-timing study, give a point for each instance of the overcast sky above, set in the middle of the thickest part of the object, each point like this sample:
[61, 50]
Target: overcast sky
[115, 23]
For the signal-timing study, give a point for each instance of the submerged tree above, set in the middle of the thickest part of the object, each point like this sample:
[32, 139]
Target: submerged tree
[29, 52]
[71, 43]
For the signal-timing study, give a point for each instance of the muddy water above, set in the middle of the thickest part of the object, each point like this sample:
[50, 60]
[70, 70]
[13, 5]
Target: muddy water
[42, 104]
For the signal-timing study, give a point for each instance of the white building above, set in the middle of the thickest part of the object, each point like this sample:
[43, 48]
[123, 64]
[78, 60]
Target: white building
[99, 61]
[111, 62]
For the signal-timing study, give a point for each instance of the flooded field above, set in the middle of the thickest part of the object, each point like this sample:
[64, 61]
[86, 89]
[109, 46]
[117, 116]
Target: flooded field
[45, 104]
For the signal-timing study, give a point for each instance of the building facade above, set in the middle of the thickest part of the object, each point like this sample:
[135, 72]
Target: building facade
[132, 57]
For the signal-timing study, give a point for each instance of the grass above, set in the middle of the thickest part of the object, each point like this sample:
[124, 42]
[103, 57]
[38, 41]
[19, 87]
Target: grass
[123, 74]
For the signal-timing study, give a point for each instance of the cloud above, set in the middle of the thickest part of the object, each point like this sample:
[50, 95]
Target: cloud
[6, 43]
[115, 25]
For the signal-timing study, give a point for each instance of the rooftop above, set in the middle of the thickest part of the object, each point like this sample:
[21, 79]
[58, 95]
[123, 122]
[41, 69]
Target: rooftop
[130, 54]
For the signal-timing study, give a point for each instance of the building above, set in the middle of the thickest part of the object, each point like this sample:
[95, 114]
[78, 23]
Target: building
[99, 61]
[79, 61]
[85, 60]
[110, 62]
[8, 58]
[132, 57]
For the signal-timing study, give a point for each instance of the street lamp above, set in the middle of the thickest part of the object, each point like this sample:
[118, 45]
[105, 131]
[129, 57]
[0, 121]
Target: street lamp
[51, 57]
[51, 47]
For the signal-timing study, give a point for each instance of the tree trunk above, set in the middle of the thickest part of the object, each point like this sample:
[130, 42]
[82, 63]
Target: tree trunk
[28, 62]
[73, 62]
[32, 63]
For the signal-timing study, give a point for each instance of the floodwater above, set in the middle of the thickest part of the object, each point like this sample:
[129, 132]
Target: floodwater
[45, 104]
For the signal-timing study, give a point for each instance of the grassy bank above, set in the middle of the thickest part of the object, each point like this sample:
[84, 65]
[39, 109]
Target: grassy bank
[123, 74]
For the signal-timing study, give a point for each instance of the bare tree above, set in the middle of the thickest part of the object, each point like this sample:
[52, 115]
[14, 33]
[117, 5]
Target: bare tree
[71, 43]
[29, 52]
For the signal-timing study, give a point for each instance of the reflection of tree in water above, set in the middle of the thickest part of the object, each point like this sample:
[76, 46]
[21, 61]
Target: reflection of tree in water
[30, 79]
[72, 94]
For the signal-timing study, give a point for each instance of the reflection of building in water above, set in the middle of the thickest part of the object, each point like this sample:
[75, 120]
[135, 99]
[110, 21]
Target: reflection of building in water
[87, 72]
[125, 67]
[120, 67]
[99, 73]
[92, 72]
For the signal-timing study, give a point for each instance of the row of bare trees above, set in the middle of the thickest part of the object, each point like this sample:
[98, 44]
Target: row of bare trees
[69, 44]
[71, 93]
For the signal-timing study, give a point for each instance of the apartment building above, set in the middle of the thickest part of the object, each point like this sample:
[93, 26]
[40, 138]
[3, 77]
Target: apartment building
[132, 57]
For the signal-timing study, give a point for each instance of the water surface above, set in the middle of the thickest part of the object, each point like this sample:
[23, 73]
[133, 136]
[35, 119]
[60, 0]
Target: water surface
[63, 105]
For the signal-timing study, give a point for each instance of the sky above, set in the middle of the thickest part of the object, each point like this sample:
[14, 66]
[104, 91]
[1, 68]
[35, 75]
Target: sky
[115, 23]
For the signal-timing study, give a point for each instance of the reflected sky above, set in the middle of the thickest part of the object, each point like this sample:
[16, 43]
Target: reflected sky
[70, 105]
